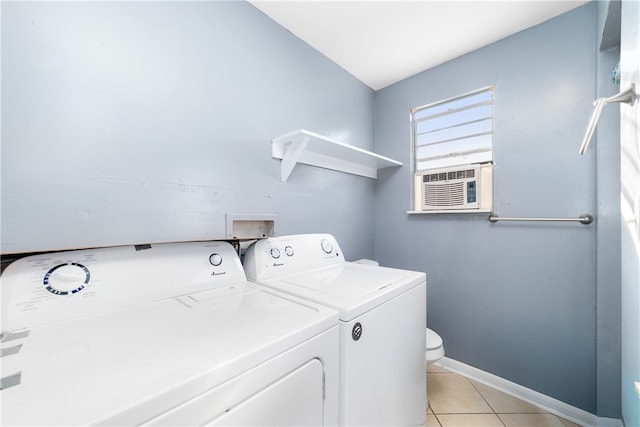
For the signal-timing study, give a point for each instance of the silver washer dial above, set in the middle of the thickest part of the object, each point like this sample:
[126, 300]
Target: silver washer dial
[215, 259]
[66, 279]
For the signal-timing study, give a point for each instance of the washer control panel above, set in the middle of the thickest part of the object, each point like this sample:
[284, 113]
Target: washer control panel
[57, 286]
[278, 256]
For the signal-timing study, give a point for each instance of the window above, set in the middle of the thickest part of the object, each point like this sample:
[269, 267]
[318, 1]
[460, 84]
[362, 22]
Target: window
[456, 131]
[452, 152]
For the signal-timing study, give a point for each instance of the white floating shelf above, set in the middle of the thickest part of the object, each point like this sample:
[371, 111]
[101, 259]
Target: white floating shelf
[302, 146]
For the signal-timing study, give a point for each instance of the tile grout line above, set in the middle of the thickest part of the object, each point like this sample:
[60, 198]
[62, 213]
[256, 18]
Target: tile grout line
[487, 402]
[518, 413]
[467, 413]
[497, 414]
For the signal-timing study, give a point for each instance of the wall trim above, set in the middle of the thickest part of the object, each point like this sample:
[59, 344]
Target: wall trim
[533, 397]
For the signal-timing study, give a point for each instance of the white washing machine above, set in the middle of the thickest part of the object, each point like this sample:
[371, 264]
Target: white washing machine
[167, 334]
[382, 320]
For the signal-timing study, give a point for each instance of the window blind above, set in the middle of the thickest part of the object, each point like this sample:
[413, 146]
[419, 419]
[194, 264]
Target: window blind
[454, 131]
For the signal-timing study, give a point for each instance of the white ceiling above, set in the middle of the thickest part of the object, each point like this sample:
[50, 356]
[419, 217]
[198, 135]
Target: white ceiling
[383, 42]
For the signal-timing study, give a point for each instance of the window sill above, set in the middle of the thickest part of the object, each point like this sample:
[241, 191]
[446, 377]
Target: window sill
[452, 211]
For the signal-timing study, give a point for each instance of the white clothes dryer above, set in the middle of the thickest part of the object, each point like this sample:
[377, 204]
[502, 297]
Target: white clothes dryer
[167, 334]
[382, 320]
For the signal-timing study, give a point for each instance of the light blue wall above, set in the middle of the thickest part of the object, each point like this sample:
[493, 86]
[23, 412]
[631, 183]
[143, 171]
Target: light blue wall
[130, 122]
[514, 299]
[630, 224]
[607, 151]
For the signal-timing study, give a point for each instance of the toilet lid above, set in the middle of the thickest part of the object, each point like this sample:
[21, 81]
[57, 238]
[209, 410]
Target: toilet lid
[433, 340]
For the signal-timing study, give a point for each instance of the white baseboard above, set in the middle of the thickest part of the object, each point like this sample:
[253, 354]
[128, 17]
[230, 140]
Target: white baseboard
[535, 398]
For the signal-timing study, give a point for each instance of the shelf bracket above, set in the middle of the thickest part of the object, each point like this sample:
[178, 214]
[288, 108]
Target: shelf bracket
[292, 154]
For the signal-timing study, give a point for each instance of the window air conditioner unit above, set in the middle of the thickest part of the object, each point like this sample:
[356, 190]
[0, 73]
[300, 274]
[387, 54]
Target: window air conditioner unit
[467, 187]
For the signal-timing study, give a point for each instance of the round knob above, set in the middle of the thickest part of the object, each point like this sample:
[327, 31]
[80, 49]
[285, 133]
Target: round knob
[326, 246]
[66, 279]
[275, 253]
[215, 259]
[288, 250]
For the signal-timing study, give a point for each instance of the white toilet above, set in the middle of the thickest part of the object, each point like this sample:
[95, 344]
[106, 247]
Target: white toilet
[435, 347]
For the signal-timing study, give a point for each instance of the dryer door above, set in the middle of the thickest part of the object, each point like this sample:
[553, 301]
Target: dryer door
[295, 398]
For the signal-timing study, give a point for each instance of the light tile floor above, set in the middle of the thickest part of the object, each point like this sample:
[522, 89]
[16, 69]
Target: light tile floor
[456, 401]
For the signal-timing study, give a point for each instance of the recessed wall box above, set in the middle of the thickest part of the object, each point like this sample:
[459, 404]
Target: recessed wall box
[250, 226]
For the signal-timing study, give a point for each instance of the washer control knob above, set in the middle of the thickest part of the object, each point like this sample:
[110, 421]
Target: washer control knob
[326, 246]
[66, 279]
[215, 259]
[275, 253]
[288, 250]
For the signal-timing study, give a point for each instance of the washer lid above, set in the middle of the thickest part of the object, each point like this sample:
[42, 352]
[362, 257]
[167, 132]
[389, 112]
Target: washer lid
[350, 288]
[147, 358]
[433, 340]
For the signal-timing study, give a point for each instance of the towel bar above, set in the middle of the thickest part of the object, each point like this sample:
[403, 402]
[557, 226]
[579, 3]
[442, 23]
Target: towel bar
[582, 219]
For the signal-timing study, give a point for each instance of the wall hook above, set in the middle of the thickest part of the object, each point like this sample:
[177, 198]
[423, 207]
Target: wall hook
[627, 96]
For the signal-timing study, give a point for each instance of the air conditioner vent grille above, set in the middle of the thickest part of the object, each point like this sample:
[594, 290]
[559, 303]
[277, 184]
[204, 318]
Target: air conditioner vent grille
[447, 176]
[454, 189]
[444, 194]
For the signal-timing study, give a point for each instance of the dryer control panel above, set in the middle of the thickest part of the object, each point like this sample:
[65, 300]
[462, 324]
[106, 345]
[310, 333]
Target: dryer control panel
[279, 256]
[50, 287]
